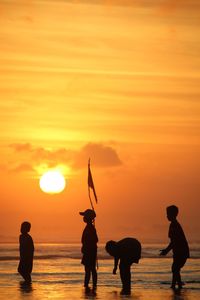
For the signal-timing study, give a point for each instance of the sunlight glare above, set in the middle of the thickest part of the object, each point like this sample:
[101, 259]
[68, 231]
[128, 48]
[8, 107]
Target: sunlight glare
[52, 182]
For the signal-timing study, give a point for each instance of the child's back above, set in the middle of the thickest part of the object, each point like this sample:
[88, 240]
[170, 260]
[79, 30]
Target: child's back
[178, 240]
[178, 244]
[26, 252]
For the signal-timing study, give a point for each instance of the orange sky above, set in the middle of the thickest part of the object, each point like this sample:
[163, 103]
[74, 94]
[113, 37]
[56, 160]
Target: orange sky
[116, 81]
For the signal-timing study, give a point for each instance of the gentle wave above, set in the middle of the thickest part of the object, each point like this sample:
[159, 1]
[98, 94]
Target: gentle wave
[51, 257]
[4, 258]
[73, 251]
[46, 257]
[185, 282]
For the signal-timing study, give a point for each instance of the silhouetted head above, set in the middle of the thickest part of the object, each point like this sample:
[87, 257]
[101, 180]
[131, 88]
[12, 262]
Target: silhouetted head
[25, 227]
[111, 247]
[172, 212]
[88, 215]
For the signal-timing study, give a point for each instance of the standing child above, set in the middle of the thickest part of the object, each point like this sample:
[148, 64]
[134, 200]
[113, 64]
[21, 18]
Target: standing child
[178, 244]
[89, 248]
[26, 252]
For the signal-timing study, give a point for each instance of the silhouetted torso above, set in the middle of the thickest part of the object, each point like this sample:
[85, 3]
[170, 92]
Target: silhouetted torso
[26, 253]
[89, 236]
[179, 243]
[89, 244]
[128, 250]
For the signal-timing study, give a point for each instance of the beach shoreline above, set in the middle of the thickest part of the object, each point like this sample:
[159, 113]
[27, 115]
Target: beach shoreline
[58, 274]
[62, 291]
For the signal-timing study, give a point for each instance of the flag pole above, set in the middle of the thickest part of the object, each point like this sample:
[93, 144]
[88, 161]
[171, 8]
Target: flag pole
[89, 187]
[90, 198]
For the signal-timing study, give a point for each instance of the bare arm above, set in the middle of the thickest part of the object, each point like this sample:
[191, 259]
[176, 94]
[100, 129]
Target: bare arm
[116, 260]
[166, 250]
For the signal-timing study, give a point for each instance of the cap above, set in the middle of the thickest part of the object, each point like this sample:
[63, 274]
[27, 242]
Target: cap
[88, 213]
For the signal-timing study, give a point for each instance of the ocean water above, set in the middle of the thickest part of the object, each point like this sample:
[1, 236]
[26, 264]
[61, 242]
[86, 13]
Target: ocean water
[58, 274]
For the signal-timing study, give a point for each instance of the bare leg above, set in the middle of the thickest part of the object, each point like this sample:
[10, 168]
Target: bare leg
[94, 277]
[176, 276]
[87, 276]
[125, 274]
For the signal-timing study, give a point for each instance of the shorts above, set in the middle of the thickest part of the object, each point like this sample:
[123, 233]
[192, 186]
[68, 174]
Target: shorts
[178, 263]
[89, 259]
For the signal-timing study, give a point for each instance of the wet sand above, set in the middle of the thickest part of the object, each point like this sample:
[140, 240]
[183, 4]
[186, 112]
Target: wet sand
[63, 292]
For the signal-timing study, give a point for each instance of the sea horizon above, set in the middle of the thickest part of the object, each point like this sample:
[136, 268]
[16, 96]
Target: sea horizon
[65, 250]
[14, 240]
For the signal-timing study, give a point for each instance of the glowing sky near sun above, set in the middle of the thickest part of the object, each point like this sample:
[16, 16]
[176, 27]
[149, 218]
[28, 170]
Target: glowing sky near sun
[116, 81]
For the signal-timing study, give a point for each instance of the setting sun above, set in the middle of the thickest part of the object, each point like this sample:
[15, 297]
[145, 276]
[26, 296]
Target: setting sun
[52, 182]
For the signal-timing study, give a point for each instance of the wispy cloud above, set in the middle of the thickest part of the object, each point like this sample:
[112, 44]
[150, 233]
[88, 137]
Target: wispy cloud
[22, 168]
[23, 147]
[170, 6]
[28, 157]
[101, 155]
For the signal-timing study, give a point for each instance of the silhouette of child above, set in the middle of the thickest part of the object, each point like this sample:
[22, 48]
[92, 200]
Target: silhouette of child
[128, 251]
[89, 248]
[26, 252]
[178, 244]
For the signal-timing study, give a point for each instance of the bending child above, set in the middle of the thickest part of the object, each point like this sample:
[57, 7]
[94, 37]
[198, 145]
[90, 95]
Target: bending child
[127, 251]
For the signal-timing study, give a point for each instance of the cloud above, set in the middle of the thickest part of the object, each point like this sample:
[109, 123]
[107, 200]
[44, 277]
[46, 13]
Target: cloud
[62, 154]
[40, 153]
[100, 155]
[22, 168]
[21, 147]
[170, 6]
[28, 156]
[3, 167]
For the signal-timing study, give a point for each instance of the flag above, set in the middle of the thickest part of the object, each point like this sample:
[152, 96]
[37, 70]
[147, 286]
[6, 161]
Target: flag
[90, 181]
